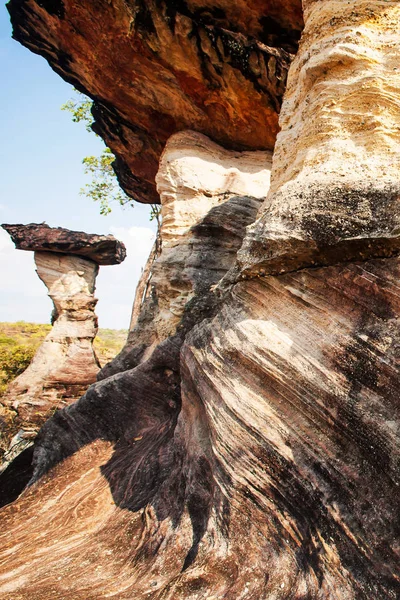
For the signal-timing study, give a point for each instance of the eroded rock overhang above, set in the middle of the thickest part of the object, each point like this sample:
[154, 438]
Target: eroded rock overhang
[158, 67]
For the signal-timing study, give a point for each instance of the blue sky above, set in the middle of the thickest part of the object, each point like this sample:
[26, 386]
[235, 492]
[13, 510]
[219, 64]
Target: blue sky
[41, 174]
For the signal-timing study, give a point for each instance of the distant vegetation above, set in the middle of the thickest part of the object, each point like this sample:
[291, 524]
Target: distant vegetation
[108, 343]
[19, 342]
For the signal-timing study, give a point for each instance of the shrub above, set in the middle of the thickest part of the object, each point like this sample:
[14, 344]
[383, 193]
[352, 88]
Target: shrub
[13, 361]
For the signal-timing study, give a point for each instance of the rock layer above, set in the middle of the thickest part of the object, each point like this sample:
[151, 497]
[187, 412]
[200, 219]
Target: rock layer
[65, 364]
[279, 478]
[101, 249]
[335, 180]
[208, 197]
[162, 67]
[253, 453]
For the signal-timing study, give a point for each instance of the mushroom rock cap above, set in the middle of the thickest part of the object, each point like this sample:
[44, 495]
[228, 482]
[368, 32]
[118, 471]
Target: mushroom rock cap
[101, 249]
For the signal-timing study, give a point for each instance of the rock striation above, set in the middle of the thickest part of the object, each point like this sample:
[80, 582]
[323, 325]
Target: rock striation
[208, 197]
[335, 182]
[39, 237]
[65, 364]
[251, 450]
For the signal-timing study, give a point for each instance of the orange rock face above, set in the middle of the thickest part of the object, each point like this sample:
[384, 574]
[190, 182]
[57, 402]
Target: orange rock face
[155, 68]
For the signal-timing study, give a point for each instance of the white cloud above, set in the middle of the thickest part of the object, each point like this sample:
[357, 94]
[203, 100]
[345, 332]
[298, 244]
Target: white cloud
[23, 295]
[138, 240]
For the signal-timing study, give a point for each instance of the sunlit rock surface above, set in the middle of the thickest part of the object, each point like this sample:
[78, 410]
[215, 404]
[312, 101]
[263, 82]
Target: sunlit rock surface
[335, 183]
[208, 197]
[65, 364]
[66, 359]
[278, 477]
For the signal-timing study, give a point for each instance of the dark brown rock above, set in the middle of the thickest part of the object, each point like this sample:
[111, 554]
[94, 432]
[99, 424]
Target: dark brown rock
[256, 456]
[101, 249]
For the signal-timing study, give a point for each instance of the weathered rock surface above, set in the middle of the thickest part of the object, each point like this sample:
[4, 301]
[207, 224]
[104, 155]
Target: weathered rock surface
[65, 364]
[278, 479]
[208, 197]
[335, 184]
[253, 453]
[157, 67]
[101, 249]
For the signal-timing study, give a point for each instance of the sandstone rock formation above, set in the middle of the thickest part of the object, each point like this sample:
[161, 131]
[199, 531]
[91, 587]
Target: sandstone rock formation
[335, 183]
[101, 249]
[253, 452]
[65, 364]
[208, 197]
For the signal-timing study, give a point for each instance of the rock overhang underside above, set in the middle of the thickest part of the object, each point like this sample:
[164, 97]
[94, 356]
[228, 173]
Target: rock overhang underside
[159, 67]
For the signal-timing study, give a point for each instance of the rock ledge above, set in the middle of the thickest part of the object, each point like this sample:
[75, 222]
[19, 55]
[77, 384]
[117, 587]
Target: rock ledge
[101, 249]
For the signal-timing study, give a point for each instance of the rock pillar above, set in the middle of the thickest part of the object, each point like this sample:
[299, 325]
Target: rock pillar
[208, 196]
[335, 183]
[65, 364]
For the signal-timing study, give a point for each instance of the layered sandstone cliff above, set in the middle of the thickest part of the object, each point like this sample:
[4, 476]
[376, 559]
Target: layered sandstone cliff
[335, 182]
[208, 196]
[252, 450]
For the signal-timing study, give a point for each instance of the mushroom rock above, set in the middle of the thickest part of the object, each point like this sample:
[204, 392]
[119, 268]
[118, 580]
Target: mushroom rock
[335, 184]
[162, 67]
[65, 364]
[208, 197]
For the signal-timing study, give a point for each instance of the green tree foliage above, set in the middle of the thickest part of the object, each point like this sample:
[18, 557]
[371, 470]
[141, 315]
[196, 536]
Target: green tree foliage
[13, 361]
[81, 110]
[104, 187]
[19, 342]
